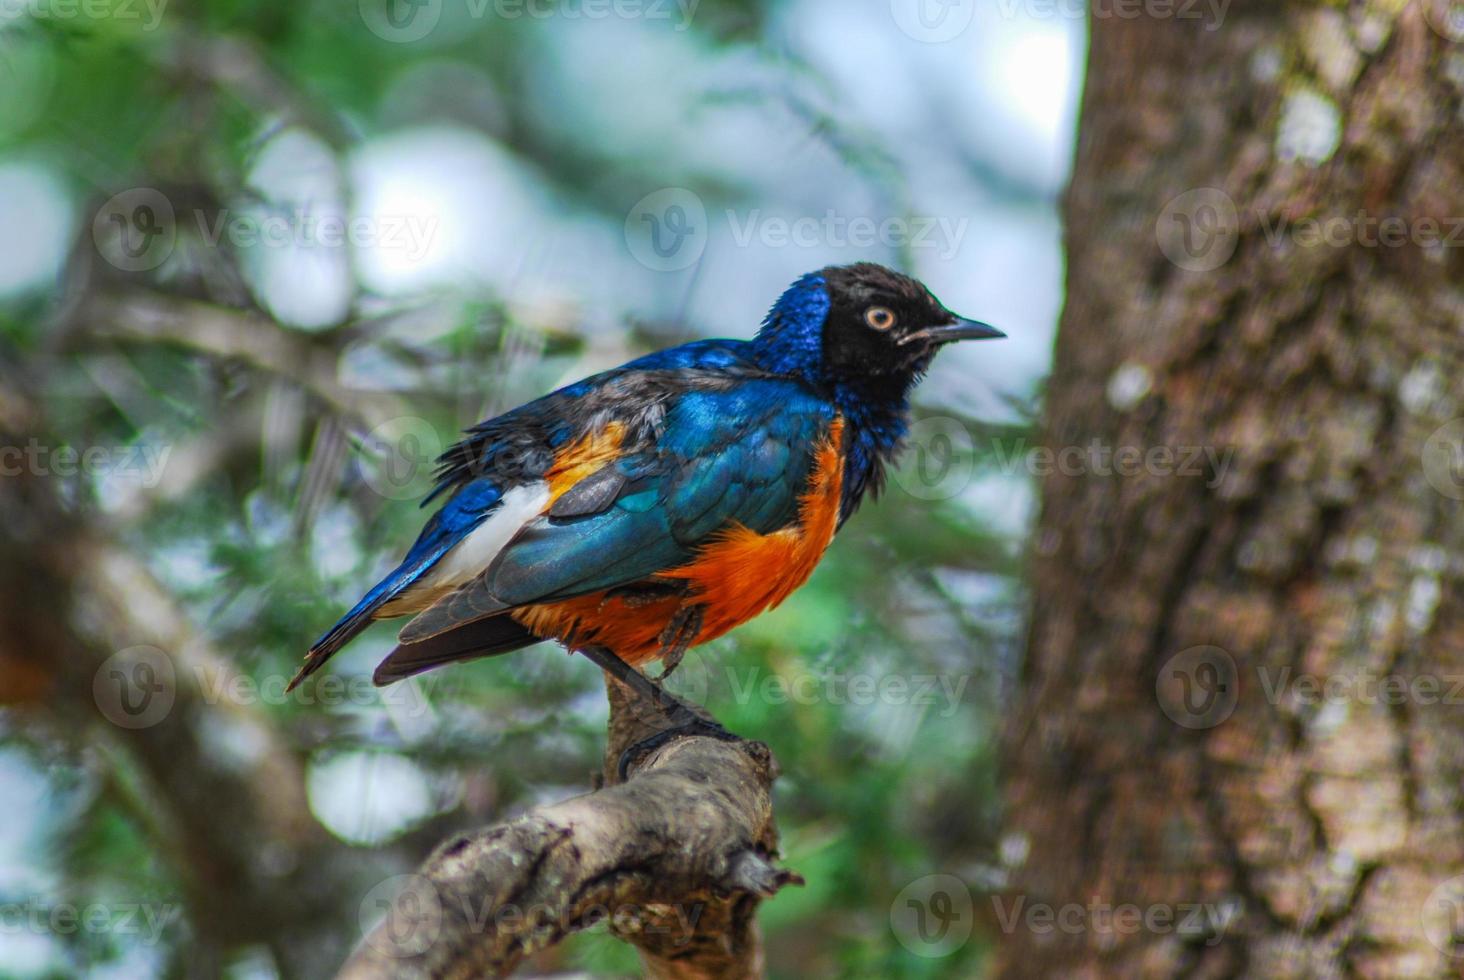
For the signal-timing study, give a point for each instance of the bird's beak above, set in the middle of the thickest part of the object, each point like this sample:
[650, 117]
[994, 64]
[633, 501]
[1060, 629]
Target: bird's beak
[962, 329]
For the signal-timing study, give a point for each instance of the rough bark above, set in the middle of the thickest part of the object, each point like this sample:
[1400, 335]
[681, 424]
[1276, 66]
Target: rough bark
[676, 860]
[1320, 828]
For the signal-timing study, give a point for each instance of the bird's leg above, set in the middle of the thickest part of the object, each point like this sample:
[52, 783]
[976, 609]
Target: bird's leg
[639, 684]
[684, 721]
[678, 636]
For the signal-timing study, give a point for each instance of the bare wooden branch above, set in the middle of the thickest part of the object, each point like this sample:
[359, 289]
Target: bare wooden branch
[676, 860]
[217, 331]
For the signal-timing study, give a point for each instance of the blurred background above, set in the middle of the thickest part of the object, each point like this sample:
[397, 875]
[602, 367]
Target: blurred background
[264, 260]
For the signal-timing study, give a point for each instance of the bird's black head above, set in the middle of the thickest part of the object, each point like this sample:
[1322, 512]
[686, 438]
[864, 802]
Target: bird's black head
[862, 325]
[882, 322]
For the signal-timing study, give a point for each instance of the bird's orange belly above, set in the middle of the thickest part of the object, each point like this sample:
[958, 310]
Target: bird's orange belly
[738, 575]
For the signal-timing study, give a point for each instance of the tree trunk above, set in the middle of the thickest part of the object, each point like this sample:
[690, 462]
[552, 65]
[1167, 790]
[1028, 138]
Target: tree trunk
[1242, 707]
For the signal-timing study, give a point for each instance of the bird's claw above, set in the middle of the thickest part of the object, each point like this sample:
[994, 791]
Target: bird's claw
[693, 726]
[678, 636]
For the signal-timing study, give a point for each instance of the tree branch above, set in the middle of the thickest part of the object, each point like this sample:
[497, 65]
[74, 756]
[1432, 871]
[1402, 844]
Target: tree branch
[676, 860]
[140, 316]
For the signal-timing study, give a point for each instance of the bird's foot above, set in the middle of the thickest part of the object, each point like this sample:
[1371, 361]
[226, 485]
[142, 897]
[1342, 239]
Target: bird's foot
[692, 725]
[684, 719]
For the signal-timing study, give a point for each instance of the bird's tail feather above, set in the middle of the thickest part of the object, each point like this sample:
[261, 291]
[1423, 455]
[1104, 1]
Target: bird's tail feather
[481, 638]
[362, 614]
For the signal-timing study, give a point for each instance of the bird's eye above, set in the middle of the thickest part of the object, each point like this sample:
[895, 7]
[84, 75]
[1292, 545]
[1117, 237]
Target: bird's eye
[879, 317]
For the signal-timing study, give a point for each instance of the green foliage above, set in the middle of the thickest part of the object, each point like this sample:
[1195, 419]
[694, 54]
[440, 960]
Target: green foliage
[281, 528]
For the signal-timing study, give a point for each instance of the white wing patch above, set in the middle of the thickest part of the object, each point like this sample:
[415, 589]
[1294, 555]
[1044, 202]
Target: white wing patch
[473, 554]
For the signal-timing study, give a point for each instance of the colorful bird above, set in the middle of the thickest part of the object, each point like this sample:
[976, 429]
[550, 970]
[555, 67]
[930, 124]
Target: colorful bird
[660, 504]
